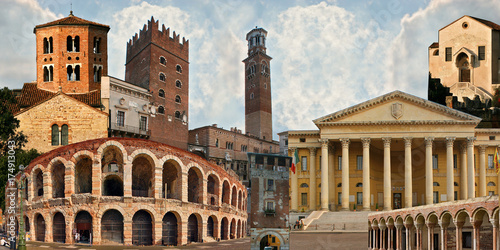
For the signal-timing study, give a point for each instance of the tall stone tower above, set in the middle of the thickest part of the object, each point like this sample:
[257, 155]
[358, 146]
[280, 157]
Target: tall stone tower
[160, 63]
[258, 108]
[71, 53]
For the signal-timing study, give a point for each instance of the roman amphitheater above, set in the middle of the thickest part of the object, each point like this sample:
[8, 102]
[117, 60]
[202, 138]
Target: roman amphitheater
[131, 191]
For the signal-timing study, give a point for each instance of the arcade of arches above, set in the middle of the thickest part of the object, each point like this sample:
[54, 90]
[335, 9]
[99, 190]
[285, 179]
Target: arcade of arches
[132, 192]
[467, 224]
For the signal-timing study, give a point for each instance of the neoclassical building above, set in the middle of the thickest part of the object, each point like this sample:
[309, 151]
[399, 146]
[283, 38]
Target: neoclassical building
[131, 191]
[393, 151]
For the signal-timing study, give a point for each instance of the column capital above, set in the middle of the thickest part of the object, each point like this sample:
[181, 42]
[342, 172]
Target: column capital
[345, 142]
[482, 148]
[463, 147]
[428, 141]
[449, 141]
[430, 224]
[470, 141]
[324, 142]
[408, 141]
[366, 142]
[387, 142]
[443, 224]
[458, 224]
[312, 151]
[292, 150]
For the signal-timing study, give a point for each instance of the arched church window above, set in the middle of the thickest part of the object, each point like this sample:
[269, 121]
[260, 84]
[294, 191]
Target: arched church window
[161, 110]
[177, 99]
[55, 135]
[162, 77]
[163, 61]
[304, 185]
[161, 93]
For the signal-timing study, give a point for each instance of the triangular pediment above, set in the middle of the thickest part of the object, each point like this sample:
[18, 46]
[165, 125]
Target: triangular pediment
[397, 108]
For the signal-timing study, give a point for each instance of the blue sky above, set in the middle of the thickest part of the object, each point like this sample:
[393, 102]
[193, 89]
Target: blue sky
[327, 55]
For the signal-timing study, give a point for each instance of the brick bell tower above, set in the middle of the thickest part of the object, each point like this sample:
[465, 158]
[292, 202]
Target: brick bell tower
[71, 53]
[258, 108]
[160, 63]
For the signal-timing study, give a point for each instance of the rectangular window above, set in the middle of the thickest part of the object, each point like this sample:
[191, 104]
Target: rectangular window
[434, 161]
[270, 205]
[490, 161]
[359, 162]
[436, 197]
[455, 193]
[359, 198]
[304, 199]
[340, 163]
[270, 184]
[448, 54]
[339, 198]
[466, 239]
[120, 118]
[455, 161]
[143, 124]
[302, 139]
[481, 54]
[304, 163]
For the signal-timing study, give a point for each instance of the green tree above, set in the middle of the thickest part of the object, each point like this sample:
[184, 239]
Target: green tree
[8, 123]
[8, 132]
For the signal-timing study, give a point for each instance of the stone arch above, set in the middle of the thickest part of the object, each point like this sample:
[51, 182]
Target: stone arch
[100, 213]
[112, 160]
[170, 228]
[200, 168]
[103, 146]
[213, 187]
[166, 158]
[269, 232]
[226, 192]
[478, 213]
[143, 173]
[195, 228]
[240, 199]
[238, 229]
[37, 181]
[234, 196]
[462, 62]
[83, 223]
[195, 185]
[58, 227]
[40, 227]
[232, 229]
[57, 170]
[212, 228]
[142, 227]
[83, 171]
[461, 215]
[224, 229]
[112, 224]
[151, 210]
[172, 179]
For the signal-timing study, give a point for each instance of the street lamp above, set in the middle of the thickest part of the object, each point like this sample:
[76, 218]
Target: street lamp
[22, 241]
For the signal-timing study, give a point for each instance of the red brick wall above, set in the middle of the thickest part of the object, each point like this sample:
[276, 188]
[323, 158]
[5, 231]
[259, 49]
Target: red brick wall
[61, 57]
[143, 68]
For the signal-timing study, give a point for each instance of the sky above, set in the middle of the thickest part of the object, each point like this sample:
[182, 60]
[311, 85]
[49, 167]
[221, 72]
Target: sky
[327, 55]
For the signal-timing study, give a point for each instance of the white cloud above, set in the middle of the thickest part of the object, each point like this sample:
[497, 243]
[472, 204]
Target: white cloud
[18, 18]
[325, 58]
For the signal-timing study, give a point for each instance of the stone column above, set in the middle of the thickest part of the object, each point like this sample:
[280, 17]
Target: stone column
[382, 237]
[312, 179]
[127, 180]
[399, 229]
[430, 235]
[482, 170]
[476, 225]
[408, 174]
[294, 196]
[127, 232]
[387, 173]
[158, 178]
[449, 169]
[419, 235]
[331, 178]
[428, 170]
[96, 176]
[375, 238]
[324, 175]
[366, 173]
[470, 168]
[494, 223]
[444, 232]
[408, 236]
[390, 232]
[463, 171]
[69, 182]
[345, 173]
[459, 225]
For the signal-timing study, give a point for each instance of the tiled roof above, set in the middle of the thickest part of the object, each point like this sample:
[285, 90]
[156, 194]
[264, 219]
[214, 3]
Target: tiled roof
[488, 23]
[31, 95]
[71, 20]
[434, 45]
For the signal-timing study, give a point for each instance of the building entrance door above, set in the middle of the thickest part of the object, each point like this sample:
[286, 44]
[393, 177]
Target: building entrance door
[396, 200]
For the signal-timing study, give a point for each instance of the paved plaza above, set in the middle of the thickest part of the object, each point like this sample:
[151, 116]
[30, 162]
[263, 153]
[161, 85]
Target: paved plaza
[303, 240]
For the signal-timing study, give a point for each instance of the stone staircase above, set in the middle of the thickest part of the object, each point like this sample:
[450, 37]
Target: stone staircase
[337, 221]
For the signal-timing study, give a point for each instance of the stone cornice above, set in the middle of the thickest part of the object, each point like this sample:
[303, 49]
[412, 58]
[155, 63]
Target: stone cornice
[396, 122]
[304, 132]
[398, 95]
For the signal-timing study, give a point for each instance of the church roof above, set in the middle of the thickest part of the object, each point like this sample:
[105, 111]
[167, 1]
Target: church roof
[490, 24]
[31, 96]
[434, 45]
[70, 20]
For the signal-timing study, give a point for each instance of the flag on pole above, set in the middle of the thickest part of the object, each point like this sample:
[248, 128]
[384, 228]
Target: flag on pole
[295, 160]
[497, 159]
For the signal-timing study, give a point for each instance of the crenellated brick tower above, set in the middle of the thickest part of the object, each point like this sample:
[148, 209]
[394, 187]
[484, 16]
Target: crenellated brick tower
[160, 63]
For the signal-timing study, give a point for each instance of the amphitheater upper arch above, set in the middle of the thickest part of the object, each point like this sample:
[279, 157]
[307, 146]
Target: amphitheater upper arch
[103, 209]
[81, 154]
[54, 161]
[144, 152]
[112, 143]
[170, 158]
[196, 166]
[36, 167]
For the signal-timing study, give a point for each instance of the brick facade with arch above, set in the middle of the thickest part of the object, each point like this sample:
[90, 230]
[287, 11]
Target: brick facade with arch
[140, 214]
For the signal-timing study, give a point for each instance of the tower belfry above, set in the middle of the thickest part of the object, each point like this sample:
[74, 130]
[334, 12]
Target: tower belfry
[258, 107]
